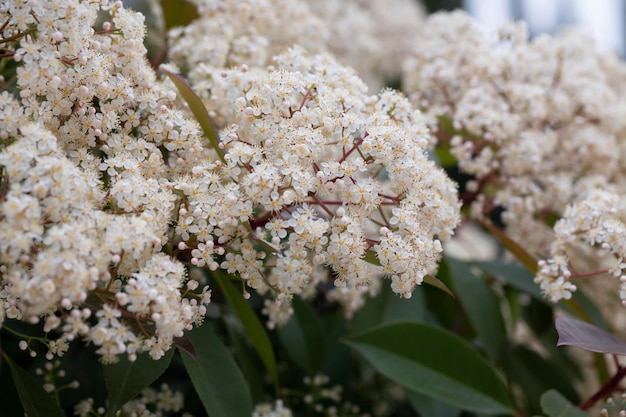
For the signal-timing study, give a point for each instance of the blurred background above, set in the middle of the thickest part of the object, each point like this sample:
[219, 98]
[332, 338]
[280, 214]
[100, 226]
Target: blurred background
[602, 19]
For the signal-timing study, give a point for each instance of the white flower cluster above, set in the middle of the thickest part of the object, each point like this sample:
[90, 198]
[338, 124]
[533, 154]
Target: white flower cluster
[538, 124]
[595, 221]
[371, 36]
[527, 118]
[235, 32]
[85, 153]
[317, 174]
[109, 193]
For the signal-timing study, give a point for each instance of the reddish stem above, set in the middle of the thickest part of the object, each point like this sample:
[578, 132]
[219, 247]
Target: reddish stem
[356, 145]
[604, 391]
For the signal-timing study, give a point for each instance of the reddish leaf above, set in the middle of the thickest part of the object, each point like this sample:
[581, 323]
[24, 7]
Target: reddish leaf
[586, 336]
[184, 344]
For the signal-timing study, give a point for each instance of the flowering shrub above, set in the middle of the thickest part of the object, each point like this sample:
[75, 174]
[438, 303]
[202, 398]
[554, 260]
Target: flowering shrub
[211, 227]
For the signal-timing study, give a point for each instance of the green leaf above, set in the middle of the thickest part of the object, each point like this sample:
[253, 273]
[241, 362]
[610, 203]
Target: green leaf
[248, 362]
[481, 306]
[386, 307]
[217, 379]
[197, 108]
[555, 405]
[35, 400]
[427, 406]
[515, 275]
[521, 278]
[535, 375]
[437, 283]
[434, 362]
[251, 324]
[125, 379]
[178, 13]
[304, 338]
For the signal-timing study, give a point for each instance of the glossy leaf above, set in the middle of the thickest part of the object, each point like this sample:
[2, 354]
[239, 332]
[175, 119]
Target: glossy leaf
[586, 336]
[252, 326]
[434, 362]
[555, 405]
[386, 307]
[125, 379]
[481, 306]
[303, 337]
[218, 381]
[35, 400]
[197, 108]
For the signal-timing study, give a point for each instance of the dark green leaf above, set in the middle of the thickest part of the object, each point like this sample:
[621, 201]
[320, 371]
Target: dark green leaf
[434, 362]
[430, 407]
[555, 405]
[443, 309]
[521, 278]
[217, 379]
[513, 274]
[197, 108]
[338, 361]
[35, 400]
[481, 306]
[535, 375]
[254, 329]
[125, 379]
[303, 337]
[386, 307]
[248, 362]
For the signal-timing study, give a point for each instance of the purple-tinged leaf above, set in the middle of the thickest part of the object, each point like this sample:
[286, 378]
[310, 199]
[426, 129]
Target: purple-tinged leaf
[586, 336]
[184, 345]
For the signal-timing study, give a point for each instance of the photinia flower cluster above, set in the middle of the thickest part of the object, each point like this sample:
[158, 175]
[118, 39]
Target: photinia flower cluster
[110, 195]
